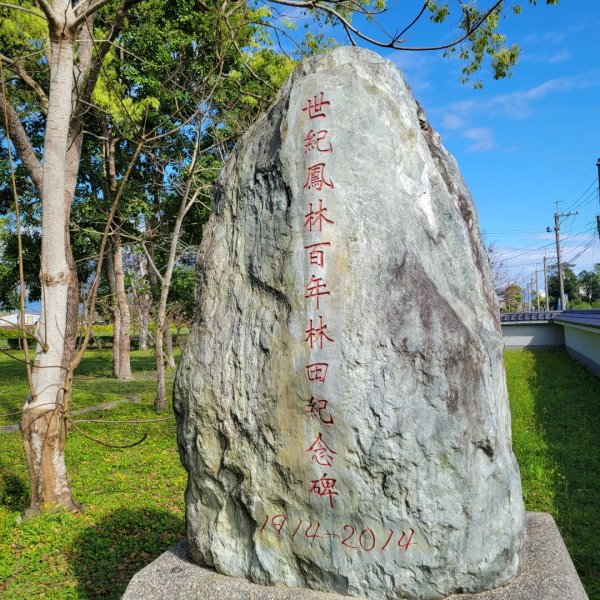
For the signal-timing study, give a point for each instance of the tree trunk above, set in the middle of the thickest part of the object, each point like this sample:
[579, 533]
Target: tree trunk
[109, 267]
[169, 346]
[123, 308]
[121, 313]
[143, 304]
[43, 422]
[161, 388]
[161, 391]
[144, 316]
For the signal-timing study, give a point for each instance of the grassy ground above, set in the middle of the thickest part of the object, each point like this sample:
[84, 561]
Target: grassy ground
[555, 406]
[134, 498]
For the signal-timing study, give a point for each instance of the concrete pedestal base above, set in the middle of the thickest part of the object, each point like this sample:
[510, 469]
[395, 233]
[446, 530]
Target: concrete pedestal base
[547, 573]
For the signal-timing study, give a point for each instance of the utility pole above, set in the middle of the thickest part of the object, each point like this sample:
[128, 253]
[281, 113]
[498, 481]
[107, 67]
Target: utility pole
[531, 294]
[598, 216]
[546, 284]
[537, 290]
[561, 283]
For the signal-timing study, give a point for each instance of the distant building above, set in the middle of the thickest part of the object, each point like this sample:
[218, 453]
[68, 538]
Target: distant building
[13, 320]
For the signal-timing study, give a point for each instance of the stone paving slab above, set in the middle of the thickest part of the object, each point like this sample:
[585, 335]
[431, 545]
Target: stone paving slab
[547, 573]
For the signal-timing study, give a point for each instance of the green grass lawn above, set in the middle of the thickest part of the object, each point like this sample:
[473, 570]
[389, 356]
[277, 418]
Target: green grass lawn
[134, 498]
[555, 406]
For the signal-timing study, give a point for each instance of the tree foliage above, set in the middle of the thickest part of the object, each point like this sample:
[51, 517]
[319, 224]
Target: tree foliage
[512, 298]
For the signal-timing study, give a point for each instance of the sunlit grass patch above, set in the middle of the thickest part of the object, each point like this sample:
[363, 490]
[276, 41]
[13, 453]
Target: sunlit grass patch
[555, 406]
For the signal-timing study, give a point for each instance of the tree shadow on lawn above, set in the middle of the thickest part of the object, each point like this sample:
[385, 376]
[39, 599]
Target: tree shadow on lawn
[14, 491]
[567, 405]
[106, 556]
[14, 482]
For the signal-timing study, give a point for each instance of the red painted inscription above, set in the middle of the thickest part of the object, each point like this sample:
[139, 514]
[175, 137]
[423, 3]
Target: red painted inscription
[316, 218]
[316, 141]
[314, 107]
[316, 252]
[322, 454]
[315, 177]
[348, 536]
[317, 372]
[315, 335]
[325, 486]
[315, 408]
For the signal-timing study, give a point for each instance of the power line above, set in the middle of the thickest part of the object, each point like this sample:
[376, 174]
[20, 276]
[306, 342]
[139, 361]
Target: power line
[575, 202]
[580, 182]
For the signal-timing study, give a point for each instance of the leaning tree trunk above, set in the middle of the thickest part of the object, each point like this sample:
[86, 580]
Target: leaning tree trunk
[43, 422]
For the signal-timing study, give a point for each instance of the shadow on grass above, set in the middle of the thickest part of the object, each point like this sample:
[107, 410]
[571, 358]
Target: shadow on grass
[14, 482]
[14, 491]
[567, 407]
[105, 557]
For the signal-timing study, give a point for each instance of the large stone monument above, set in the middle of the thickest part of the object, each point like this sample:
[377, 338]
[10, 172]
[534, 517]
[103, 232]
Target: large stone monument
[342, 409]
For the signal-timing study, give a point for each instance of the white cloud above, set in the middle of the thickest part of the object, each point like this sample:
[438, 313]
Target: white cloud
[517, 105]
[482, 139]
[560, 56]
[546, 58]
[452, 121]
[550, 37]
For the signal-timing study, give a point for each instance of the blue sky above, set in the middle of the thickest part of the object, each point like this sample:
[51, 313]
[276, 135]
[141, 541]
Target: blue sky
[527, 141]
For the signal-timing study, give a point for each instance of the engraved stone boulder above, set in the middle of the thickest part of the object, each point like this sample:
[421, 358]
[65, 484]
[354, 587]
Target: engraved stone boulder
[342, 406]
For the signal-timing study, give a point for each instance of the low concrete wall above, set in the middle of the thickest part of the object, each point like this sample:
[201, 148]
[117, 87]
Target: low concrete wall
[583, 344]
[537, 334]
[578, 331]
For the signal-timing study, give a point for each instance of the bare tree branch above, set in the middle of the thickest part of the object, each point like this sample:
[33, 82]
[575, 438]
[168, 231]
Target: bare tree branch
[21, 141]
[87, 12]
[151, 262]
[413, 22]
[47, 10]
[23, 9]
[16, 66]
[94, 290]
[393, 43]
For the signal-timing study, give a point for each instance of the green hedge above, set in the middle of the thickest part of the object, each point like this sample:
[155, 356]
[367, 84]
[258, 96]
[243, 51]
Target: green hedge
[102, 337]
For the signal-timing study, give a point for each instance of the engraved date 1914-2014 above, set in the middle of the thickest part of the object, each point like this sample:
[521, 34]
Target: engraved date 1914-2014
[348, 535]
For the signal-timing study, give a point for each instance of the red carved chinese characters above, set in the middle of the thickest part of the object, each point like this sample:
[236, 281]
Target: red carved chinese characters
[316, 255]
[315, 408]
[325, 486]
[315, 177]
[316, 141]
[317, 372]
[321, 453]
[316, 335]
[315, 288]
[316, 218]
[318, 180]
[314, 107]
